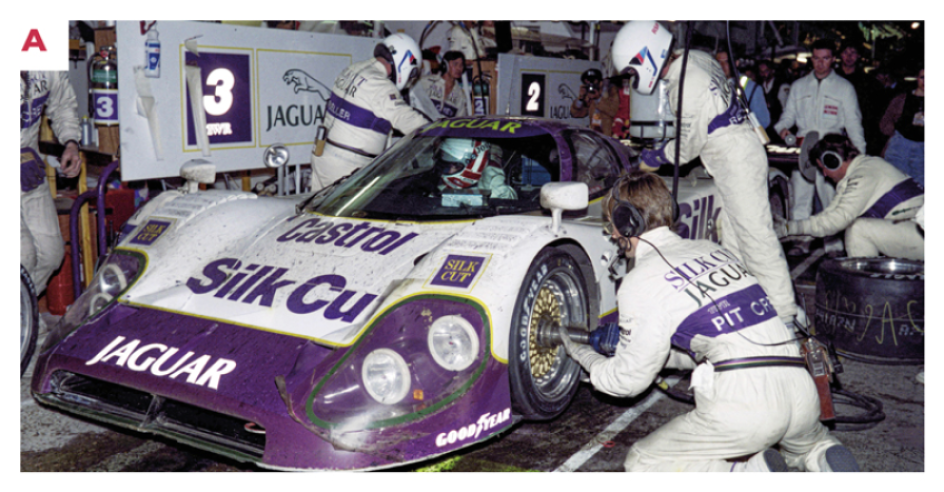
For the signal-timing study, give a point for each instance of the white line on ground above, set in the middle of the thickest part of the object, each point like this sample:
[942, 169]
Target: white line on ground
[807, 263]
[618, 425]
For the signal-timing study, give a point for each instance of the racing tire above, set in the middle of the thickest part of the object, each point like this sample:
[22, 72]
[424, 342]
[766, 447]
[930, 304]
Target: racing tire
[544, 380]
[29, 319]
[872, 308]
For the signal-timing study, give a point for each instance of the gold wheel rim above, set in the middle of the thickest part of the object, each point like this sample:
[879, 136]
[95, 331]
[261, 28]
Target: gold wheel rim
[546, 307]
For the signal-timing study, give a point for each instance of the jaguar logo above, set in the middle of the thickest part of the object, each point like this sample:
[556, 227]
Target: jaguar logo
[301, 81]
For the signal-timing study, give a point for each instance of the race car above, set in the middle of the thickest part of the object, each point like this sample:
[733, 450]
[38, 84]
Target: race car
[388, 319]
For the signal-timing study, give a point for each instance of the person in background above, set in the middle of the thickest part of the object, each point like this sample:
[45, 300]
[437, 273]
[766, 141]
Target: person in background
[753, 94]
[443, 92]
[41, 244]
[597, 98]
[771, 82]
[868, 94]
[904, 123]
[472, 38]
[824, 102]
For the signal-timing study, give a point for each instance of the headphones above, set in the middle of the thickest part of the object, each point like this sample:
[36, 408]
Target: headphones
[831, 160]
[625, 217]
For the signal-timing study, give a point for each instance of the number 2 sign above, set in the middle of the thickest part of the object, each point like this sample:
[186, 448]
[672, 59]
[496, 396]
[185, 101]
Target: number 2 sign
[532, 94]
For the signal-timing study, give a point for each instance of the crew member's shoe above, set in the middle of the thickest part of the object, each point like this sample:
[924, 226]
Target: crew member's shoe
[768, 460]
[840, 459]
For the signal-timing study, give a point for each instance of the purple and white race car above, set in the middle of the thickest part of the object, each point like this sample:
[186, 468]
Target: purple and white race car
[388, 319]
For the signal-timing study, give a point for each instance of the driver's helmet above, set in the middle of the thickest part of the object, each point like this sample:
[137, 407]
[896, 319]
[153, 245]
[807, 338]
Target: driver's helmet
[466, 158]
[641, 49]
[404, 56]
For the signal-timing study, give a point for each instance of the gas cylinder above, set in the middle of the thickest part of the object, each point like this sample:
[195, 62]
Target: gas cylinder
[103, 86]
[59, 292]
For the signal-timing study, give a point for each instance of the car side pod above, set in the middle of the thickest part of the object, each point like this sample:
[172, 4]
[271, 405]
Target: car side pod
[558, 197]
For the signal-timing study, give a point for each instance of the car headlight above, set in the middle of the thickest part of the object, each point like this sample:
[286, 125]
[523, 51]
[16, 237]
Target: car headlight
[414, 358]
[386, 376]
[116, 275]
[111, 281]
[453, 342]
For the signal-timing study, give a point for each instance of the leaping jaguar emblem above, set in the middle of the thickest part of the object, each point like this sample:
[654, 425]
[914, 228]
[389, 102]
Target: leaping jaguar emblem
[304, 82]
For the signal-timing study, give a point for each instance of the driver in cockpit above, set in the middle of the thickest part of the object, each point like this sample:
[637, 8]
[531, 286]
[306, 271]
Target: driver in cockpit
[468, 167]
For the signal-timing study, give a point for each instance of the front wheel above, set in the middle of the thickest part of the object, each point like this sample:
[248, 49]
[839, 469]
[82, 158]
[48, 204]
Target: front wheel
[544, 380]
[29, 319]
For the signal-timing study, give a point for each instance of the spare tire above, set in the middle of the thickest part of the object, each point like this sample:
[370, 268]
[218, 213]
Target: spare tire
[872, 308]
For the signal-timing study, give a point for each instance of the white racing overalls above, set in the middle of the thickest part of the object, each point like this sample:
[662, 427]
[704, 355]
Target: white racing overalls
[452, 105]
[875, 204]
[714, 127]
[824, 106]
[364, 106]
[41, 245]
[707, 304]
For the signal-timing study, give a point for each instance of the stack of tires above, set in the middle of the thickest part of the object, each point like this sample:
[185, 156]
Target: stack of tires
[872, 309]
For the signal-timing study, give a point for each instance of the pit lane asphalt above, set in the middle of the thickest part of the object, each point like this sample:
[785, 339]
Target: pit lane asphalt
[592, 435]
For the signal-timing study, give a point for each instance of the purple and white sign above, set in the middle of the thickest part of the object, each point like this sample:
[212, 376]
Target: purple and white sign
[106, 106]
[459, 271]
[227, 97]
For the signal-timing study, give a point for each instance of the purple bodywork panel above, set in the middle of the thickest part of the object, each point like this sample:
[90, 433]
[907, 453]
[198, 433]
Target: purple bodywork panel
[244, 363]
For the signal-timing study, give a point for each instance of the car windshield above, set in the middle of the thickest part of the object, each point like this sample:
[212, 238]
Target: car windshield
[444, 177]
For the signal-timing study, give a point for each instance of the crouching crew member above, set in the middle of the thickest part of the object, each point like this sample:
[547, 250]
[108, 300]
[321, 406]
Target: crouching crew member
[365, 105]
[687, 301]
[875, 203]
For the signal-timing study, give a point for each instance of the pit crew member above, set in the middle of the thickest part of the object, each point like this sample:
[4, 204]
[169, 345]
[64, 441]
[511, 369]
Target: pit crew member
[444, 96]
[875, 203]
[41, 245]
[365, 105]
[714, 127]
[824, 102]
[752, 389]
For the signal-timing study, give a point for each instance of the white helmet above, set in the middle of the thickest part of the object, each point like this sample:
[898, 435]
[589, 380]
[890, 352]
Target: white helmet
[641, 48]
[404, 57]
[469, 158]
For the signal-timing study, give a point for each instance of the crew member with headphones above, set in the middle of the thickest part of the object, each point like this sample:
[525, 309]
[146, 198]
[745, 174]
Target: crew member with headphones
[686, 302]
[875, 203]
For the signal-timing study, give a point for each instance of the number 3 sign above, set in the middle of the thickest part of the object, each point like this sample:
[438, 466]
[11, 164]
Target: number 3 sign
[227, 98]
[106, 106]
[532, 94]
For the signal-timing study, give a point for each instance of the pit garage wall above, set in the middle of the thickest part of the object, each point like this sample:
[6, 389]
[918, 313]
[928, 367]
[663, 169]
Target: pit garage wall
[260, 87]
[540, 87]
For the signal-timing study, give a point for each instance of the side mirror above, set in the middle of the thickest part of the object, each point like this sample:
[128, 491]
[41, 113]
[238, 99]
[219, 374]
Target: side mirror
[275, 156]
[558, 197]
[196, 172]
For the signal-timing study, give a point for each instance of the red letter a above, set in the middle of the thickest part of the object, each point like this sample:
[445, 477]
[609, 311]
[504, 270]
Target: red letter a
[34, 40]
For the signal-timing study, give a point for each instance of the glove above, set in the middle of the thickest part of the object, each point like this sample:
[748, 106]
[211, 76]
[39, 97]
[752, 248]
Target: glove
[605, 339]
[653, 158]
